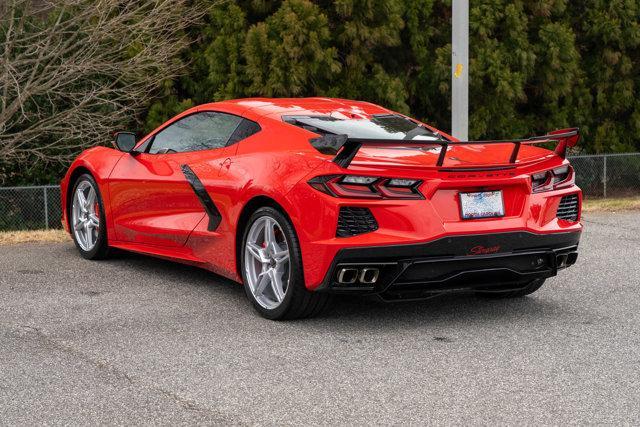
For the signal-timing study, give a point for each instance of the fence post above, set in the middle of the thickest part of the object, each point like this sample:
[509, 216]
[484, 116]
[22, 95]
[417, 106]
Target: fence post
[46, 208]
[604, 176]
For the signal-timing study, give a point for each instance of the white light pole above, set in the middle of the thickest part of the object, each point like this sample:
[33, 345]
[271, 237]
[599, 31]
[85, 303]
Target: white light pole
[460, 70]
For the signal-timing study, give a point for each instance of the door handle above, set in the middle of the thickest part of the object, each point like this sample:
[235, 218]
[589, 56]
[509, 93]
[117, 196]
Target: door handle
[224, 166]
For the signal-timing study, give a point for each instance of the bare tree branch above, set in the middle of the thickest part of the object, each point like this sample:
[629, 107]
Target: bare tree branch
[73, 71]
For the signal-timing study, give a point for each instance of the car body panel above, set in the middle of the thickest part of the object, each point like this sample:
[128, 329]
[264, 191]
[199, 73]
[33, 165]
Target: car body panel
[99, 162]
[152, 208]
[153, 203]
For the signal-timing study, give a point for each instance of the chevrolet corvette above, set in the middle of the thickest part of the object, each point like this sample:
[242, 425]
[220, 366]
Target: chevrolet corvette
[301, 199]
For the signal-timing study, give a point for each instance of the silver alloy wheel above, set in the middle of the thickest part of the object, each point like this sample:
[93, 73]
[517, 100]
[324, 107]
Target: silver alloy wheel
[85, 215]
[266, 262]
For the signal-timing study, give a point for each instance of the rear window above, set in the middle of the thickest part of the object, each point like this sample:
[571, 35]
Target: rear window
[388, 126]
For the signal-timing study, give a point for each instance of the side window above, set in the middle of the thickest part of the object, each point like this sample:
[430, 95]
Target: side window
[200, 131]
[244, 130]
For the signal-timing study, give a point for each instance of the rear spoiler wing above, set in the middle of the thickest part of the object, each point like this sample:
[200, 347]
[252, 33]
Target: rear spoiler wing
[347, 148]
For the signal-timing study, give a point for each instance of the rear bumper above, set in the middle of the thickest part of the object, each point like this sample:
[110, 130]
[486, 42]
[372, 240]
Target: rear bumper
[451, 263]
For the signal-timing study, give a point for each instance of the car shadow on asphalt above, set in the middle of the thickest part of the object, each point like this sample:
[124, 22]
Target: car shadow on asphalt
[345, 310]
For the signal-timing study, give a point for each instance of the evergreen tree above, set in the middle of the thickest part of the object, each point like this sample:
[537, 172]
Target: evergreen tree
[223, 55]
[368, 35]
[610, 40]
[291, 52]
[534, 66]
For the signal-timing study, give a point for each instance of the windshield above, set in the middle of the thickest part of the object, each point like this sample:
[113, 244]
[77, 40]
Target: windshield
[388, 126]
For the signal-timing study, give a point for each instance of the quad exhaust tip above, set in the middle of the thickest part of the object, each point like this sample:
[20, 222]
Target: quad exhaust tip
[347, 276]
[566, 260]
[366, 275]
[369, 275]
[561, 261]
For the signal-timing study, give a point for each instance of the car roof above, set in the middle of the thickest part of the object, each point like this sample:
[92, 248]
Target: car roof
[278, 107]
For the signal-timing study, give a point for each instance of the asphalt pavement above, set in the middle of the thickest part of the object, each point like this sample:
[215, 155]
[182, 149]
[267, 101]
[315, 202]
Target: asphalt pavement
[137, 340]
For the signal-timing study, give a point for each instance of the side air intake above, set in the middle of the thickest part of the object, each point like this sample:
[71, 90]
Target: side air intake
[568, 208]
[354, 221]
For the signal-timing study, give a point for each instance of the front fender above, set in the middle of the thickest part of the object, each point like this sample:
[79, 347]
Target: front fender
[99, 162]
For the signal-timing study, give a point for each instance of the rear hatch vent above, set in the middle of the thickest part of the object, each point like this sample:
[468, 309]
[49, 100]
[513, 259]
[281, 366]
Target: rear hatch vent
[354, 221]
[568, 208]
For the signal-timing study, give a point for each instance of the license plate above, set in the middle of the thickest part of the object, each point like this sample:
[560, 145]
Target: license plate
[485, 204]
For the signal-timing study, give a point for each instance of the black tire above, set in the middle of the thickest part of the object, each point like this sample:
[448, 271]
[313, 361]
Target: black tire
[298, 302]
[101, 248]
[527, 289]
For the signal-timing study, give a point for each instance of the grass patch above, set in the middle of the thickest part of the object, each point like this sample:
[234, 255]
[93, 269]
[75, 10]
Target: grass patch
[611, 205]
[24, 236]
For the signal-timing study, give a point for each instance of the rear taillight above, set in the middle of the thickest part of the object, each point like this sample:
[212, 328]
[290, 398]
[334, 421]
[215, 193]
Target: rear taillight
[553, 179]
[367, 187]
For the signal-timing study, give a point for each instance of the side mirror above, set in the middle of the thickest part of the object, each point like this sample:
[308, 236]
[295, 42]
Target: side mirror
[125, 141]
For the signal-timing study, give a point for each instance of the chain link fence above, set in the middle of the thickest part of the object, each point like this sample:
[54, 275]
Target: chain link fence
[608, 175]
[599, 176]
[30, 208]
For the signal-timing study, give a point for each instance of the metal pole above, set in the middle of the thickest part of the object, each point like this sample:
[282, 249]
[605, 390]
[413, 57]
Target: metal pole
[46, 208]
[604, 176]
[460, 70]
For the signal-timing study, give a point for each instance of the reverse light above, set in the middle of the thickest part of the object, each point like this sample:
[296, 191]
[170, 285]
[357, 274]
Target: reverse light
[363, 180]
[367, 187]
[561, 174]
[541, 181]
[553, 179]
[402, 182]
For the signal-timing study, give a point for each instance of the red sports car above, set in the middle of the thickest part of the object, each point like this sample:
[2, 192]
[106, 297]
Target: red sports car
[299, 199]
